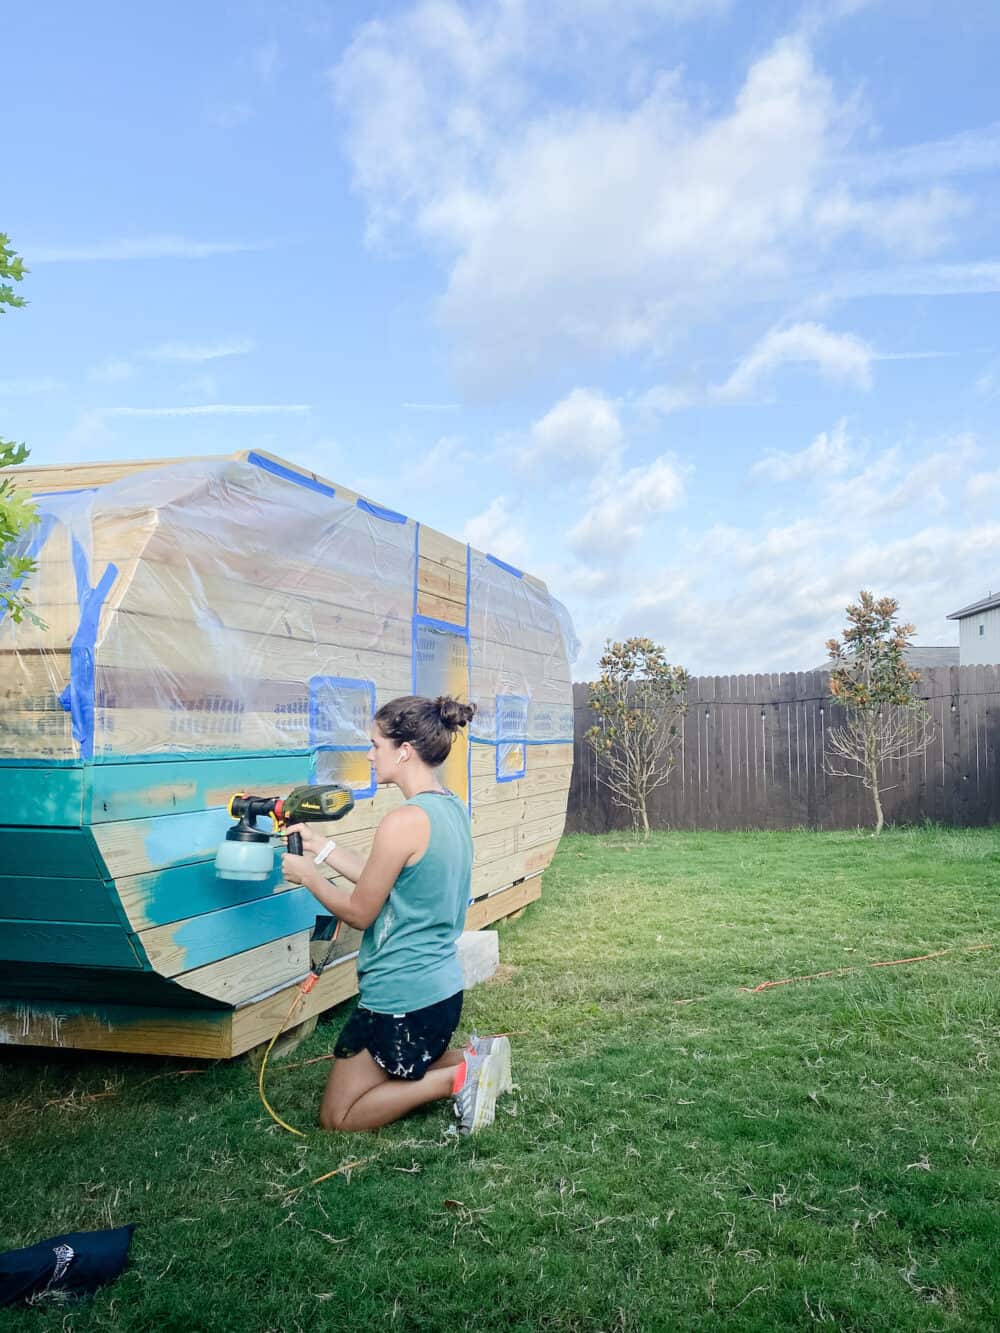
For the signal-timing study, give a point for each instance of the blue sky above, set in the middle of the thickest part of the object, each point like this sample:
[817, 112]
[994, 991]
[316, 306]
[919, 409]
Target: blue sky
[688, 306]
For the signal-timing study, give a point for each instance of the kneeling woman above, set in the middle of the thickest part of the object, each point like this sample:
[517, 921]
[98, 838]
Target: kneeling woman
[410, 899]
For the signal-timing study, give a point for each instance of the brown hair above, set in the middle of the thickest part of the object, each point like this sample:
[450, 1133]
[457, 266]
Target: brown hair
[429, 725]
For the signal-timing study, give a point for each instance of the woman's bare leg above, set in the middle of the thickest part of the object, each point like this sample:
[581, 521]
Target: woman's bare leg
[361, 1096]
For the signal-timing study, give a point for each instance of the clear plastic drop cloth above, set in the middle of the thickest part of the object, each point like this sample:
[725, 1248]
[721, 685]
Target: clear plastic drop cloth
[208, 607]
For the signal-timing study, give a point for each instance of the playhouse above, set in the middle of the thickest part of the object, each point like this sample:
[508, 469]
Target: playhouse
[217, 625]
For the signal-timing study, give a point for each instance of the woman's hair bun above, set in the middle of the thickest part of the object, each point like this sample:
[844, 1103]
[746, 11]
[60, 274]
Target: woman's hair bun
[452, 713]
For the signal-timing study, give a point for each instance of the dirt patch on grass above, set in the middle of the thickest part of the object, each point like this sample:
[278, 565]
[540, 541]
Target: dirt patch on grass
[505, 972]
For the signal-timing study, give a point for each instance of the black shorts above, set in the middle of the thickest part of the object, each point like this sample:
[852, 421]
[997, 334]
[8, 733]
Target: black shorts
[404, 1045]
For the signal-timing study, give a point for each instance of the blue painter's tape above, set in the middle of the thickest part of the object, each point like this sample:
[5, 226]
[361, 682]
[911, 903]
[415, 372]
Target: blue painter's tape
[317, 733]
[80, 690]
[416, 566]
[390, 515]
[48, 495]
[502, 564]
[288, 475]
[468, 625]
[460, 631]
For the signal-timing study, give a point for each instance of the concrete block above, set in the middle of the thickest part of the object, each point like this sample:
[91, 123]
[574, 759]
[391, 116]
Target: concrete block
[479, 954]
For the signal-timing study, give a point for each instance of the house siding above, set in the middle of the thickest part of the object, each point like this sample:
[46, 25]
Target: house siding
[977, 649]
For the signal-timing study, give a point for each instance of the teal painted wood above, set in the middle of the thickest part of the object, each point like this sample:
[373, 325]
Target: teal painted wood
[26, 981]
[188, 890]
[48, 796]
[66, 942]
[54, 853]
[206, 939]
[44, 899]
[139, 790]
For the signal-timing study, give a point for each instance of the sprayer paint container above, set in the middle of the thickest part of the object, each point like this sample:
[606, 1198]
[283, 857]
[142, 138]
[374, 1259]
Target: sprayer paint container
[245, 853]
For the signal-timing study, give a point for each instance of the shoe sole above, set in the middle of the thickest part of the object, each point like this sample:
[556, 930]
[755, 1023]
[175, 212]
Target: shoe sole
[501, 1051]
[487, 1089]
[500, 1047]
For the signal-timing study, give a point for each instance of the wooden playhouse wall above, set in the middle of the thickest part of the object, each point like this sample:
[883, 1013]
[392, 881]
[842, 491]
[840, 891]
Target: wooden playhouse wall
[115, 932]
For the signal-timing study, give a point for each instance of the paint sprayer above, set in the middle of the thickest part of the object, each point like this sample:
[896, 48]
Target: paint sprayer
[247, 852]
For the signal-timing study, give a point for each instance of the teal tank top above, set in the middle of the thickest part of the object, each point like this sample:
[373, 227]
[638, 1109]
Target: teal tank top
[408, 958]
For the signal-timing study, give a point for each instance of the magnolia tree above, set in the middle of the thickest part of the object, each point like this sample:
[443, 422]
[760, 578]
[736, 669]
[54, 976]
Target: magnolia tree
[886, 720]
[639, 700]
[17, 513]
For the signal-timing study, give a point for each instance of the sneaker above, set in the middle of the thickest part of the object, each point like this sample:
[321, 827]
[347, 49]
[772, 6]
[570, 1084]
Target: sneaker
[500, 1046]
[475, 1099]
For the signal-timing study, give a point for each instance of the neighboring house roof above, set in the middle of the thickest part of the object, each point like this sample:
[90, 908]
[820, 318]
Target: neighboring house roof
[920, 659]
[987, 604]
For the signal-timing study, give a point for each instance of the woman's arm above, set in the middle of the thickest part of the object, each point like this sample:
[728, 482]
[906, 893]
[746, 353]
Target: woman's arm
[402, 835]
[343, 860]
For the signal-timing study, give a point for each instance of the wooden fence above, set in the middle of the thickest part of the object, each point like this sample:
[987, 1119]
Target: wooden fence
[752, 749]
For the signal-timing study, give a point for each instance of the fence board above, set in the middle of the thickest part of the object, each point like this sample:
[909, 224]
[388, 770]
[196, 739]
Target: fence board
[752, 749]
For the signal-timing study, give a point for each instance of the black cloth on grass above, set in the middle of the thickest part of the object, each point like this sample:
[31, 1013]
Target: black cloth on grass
[77, 1263]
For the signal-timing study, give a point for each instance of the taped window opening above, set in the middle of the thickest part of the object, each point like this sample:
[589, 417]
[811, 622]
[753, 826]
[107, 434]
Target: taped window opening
[341, 711]
[511, 736]
[441, 667]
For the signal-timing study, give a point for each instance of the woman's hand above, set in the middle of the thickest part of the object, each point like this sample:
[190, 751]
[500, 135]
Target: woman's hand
[312, 839]
[299, 869]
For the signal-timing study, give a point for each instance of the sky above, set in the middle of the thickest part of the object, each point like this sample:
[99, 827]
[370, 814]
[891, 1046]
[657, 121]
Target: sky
[689, 307]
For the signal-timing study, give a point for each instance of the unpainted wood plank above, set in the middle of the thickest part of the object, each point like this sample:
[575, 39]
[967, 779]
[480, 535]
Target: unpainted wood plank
[443, 550]
[244, 976]
[57, 477]
[257, 1022]
[503, 904]
[451, 611]
[131, 1029]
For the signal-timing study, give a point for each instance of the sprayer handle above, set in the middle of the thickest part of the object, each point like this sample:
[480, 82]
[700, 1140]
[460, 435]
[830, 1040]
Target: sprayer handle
[295, 844]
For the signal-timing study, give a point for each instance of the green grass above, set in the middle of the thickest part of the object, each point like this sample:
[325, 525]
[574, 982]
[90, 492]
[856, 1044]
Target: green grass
[681, 1153]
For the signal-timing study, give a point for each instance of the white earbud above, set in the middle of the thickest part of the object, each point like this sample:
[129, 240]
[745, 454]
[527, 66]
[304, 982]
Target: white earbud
[399, 758]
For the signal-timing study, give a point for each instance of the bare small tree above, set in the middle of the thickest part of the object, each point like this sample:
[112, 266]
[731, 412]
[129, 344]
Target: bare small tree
[886, 721]
[639, 702]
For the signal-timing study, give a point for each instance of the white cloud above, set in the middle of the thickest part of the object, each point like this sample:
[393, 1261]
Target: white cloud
[621, 505]
[983, 488]
[582, 431]
[165, 245]
[579, 223]
[198, 352]
[497, 532]
[664, 399]
[266, 62]
[961, 154]
[206, 409]
[988, 383]
[829, 455]
[112, 371]
[16, 388]
[838, 356]
[916, 223]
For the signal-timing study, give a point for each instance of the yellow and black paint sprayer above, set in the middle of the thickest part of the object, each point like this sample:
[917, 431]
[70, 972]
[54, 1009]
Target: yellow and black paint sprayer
[247, 852]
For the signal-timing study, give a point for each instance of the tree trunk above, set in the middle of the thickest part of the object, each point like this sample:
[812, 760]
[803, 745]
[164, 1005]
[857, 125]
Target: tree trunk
[644, 818]
[879, 819]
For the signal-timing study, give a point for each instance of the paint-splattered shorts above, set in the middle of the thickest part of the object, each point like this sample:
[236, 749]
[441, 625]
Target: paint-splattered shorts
[404, 1045]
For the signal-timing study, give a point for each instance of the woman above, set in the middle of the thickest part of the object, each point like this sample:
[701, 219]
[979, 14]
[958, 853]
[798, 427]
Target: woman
[410, 899]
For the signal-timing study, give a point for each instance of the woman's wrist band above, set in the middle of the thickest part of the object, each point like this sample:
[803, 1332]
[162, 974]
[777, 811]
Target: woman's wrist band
[324, 852]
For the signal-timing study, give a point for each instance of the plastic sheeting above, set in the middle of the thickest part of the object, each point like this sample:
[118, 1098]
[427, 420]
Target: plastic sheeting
[230, 606]
[522, 648]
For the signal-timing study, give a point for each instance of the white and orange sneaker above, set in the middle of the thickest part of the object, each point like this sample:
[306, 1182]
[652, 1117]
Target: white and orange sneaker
[475, 1089]
[498, 1046]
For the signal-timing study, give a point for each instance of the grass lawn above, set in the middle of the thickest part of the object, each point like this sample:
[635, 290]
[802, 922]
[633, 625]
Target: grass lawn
[682, 1153]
